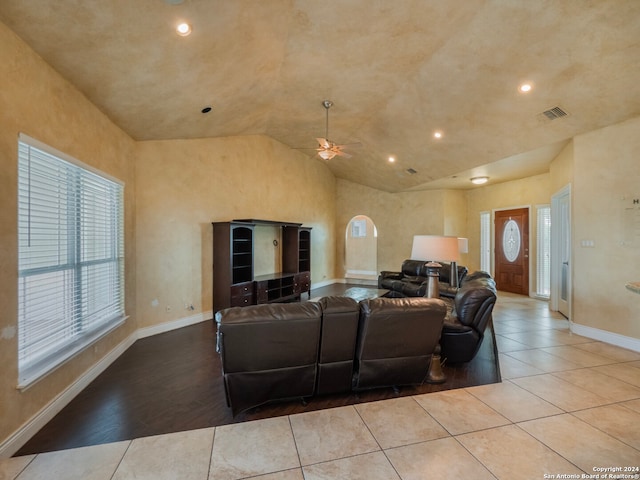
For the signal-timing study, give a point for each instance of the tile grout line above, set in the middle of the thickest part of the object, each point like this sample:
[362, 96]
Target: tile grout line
[295, 444]
[17, 477]
[115, 470]
[376, 440]
[215, 429]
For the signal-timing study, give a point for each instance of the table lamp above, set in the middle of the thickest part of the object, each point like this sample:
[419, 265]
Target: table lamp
[432, 248]
[463, 247]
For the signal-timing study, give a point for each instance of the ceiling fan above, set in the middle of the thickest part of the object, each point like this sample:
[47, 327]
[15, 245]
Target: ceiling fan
[326, 148]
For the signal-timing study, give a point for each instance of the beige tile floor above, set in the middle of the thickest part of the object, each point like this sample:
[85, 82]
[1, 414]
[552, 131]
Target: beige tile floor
[566, 405]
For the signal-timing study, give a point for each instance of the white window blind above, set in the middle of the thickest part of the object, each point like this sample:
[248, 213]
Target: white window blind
[70, 258]
[485, 242]
[543, 265]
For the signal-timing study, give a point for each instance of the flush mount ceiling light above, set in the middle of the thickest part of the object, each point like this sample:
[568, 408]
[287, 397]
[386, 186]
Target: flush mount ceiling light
[183, 29]
[525, 87]
[479, 180]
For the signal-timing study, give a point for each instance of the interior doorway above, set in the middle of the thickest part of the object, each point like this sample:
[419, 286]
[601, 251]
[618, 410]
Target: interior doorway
[512, 250]
[561, 251]
[361, 249]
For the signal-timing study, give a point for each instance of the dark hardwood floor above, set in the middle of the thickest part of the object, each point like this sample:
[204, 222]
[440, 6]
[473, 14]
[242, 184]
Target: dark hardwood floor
[172, 382]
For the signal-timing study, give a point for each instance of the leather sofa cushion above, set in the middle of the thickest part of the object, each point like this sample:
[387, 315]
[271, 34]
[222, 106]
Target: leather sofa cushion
[339, 328]
[453, 325]
[413, 268]
[414, 279]
[271, 336]
[390, 326]
[414, 289]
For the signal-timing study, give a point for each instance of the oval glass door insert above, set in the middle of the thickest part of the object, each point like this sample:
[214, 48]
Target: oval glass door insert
[511, 240]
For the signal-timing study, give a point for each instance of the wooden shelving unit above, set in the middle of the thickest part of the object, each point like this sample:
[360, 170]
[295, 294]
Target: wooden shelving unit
[233, 257]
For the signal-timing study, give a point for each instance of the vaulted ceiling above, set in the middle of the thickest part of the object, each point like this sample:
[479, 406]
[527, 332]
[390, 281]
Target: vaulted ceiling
[396, 72]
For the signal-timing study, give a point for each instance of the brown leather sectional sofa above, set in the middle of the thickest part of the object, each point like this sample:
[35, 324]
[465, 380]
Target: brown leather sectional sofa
[296, 350]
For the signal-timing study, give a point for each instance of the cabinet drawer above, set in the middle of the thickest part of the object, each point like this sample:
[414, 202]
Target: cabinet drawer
[242, 294]
[302, 282]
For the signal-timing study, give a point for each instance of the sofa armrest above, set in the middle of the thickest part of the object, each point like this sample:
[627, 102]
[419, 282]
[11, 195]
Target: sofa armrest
[391, 275]
[387, 277]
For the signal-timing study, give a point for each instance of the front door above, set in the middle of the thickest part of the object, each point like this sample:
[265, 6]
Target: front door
[512, 250]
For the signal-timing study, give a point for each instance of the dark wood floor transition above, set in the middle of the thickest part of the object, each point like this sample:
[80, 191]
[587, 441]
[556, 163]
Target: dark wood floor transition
[172, 382]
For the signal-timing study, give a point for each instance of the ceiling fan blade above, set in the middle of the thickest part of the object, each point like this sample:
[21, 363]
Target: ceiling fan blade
[350, 145]
[324, 143]
[341, 153]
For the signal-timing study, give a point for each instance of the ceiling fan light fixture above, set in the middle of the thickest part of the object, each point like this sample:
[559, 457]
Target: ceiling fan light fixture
[479, 180]
[326, 154]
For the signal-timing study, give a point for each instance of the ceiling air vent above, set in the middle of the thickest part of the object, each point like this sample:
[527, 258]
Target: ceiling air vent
[411, 171]
[555, 112]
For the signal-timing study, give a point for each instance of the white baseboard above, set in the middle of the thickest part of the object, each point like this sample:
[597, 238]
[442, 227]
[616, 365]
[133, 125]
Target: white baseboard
[616, 339]
[324, 283]
[174, 324]
[362, 281]
[369, 273]
[16, 440]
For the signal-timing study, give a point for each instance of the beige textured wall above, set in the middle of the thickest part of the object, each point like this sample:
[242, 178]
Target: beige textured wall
[184, 185]
[267, 256]
[606, 170]
[398, 217]
[529, 192]
[455, 218]
[35, 100]
[561, 169]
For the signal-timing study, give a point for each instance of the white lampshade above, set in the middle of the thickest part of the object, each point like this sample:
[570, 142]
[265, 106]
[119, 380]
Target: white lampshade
[435, 248]
[463, 245]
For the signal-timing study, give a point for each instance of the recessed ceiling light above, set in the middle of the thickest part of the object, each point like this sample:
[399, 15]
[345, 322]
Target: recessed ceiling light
[437, 134]
[392, 159]
[206, 109]
[479, 180]
[525, 87]
[183, 29]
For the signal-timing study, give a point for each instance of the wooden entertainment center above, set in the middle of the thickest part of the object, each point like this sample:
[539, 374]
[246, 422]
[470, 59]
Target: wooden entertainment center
[234, 283]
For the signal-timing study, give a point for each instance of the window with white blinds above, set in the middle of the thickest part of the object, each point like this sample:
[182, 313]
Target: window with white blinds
[543, 264]
[485, 242]
[70, 257]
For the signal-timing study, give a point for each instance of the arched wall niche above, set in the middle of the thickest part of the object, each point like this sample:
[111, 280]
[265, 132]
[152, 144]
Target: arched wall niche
[361, 250]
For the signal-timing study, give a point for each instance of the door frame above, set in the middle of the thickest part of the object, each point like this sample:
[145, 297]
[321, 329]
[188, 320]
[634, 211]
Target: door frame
[493, 238]
[555, 249]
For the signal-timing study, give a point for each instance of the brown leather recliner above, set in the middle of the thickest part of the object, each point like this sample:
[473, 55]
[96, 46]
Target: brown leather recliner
[471, 312]
[396, 340]
[268, 352]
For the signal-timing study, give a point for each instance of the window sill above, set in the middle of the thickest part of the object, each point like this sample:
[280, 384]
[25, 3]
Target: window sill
[44, 367]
